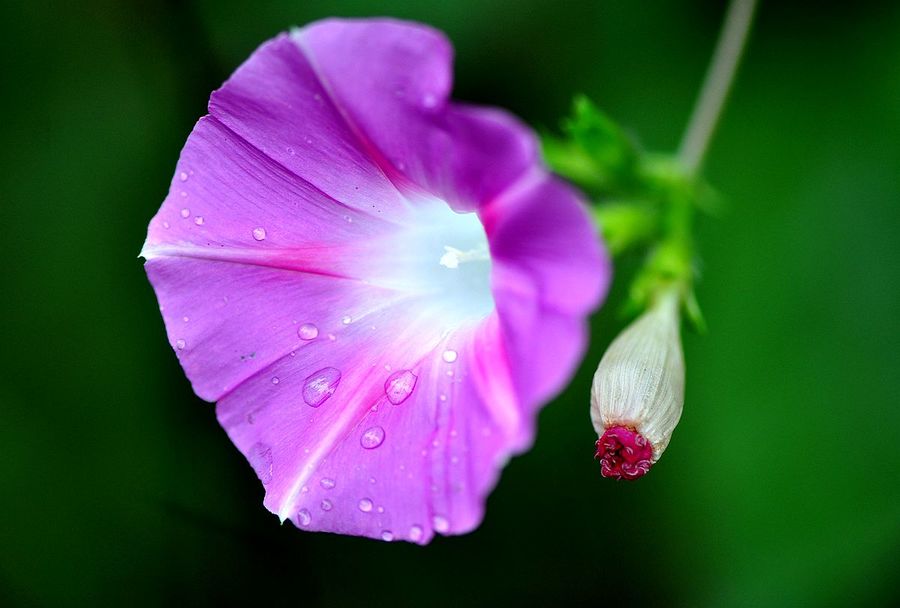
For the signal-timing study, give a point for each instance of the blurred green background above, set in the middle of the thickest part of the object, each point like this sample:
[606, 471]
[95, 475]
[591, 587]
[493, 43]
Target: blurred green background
[782, 484]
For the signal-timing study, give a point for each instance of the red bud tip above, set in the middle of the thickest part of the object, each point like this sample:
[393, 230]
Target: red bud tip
[623, 453]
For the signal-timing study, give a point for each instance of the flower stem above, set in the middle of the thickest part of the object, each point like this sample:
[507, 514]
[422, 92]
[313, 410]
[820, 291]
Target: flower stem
[719, 77]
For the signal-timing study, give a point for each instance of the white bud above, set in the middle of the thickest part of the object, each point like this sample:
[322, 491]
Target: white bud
[639, 383]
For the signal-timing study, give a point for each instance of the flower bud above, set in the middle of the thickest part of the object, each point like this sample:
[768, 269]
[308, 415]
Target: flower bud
[638, 391]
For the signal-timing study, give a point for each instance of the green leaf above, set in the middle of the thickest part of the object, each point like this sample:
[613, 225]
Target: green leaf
[595, 153]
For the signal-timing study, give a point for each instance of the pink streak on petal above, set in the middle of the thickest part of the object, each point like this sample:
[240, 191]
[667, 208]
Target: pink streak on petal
[382, 73]
[277, 103]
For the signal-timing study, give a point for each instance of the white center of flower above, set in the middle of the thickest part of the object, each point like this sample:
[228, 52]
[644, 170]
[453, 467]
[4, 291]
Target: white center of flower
[444, 256]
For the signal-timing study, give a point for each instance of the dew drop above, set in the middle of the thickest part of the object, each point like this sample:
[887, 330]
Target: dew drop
[440, 523]
[399, 386]
[290, 151]
[387, 536]
[185, 212]
[183, 176]
[260, 458]
[449, 355]
[166, 225]
[321, 385]
[259, 234]
[372, 480]
[184, 194]
[372, 438]
[304, 517]
[185, 319]
[380, 509]
[347, 320]
[327, 483]
[415, 533]
[308, 331]
[326, 505]
[365, 505]
[275, 380]
[180, 344]
[198, 220]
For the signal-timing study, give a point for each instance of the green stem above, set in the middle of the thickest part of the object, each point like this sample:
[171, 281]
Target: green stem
[717, 83]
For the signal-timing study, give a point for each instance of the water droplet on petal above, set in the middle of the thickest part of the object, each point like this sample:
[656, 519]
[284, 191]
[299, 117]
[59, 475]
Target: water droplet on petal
[327, 483]
[449, 355]
[365, 505]
[165, 225]
[399, 386]
[415, 533]
[321, 385]
[303, 517]
[440, 523]
[184, 194]
[185, 212]
[180, 344]
[275, 380]
[326, 505]
[183, 176]
[198, 220]
[259, 234]
[290, 150]
[308, 331]
[347, 320]
[372, 438]
[387, 536]
[260, 458]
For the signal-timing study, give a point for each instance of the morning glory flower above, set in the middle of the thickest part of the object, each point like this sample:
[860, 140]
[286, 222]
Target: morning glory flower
[638, 391]
[378, 286]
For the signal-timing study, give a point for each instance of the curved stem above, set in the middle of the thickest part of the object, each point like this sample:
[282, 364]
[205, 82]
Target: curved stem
[718, 81]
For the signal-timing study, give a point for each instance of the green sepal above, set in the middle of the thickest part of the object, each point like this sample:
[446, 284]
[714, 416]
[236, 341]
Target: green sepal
[627, 224]
[596, 153]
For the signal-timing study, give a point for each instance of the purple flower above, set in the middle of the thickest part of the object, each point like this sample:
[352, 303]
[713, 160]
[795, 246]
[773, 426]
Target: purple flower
[378, 286]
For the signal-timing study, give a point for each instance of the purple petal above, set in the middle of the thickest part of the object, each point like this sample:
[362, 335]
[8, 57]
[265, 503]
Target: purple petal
[385, 74]
[375, 354]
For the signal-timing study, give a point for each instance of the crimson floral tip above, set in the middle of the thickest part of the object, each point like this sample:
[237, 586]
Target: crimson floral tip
[623, 453]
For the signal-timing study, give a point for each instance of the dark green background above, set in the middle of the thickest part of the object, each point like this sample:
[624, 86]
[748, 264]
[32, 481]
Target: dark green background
[782, 484]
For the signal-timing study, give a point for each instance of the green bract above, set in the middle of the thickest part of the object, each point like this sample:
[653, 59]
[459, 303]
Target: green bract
[642, 201]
